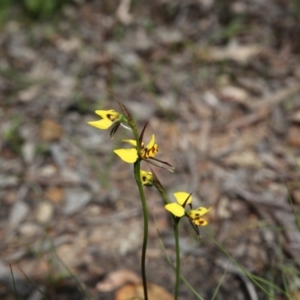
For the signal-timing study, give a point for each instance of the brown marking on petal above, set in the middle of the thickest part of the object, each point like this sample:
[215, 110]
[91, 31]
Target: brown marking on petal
[198, 221]
[148, 153]
[111, 117]
[153, 151]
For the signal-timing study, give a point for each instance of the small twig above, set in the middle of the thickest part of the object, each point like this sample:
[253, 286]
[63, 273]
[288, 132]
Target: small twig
[262, 107]
[120, 216]
[275, 98]
[261, 199]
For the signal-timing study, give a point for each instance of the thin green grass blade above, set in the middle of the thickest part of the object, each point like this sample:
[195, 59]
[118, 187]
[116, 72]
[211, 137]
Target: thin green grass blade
[172, 265]
[248, 274]
[79, 285]
[35, 286]
[218, 286]
[297, 217]
[14, 283]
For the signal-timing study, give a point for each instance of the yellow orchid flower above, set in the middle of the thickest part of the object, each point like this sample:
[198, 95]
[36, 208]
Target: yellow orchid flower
[196, 214]
[178, 209]
[109, 117]
[146, 178]
[131, 155]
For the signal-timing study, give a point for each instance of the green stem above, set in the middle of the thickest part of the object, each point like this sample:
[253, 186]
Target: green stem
[177, 248]
[177, 245]
[137, 172]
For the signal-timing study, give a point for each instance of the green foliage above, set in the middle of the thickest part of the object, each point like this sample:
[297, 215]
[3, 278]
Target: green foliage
[35, 9]
[12, 137]
[38, 8]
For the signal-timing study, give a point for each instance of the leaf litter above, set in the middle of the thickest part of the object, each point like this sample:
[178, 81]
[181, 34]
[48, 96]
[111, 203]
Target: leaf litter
[220, 91]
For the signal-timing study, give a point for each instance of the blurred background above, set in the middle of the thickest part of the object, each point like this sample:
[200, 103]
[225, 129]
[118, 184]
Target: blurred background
[218, 82]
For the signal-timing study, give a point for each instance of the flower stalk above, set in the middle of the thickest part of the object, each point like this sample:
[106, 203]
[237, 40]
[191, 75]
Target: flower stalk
[139, 182]
[178, 267]
[137, 172]
[147, 152]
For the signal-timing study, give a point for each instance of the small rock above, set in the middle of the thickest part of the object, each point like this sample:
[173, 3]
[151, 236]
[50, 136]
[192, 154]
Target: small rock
[8, 181]
[17, 214]
[58, 154]
[224, 211]
[28, 152]
[69, 176]
[211, 99]
[29, 229]
[48, 171]
[44, 212]
[168, 37]
[76, 199]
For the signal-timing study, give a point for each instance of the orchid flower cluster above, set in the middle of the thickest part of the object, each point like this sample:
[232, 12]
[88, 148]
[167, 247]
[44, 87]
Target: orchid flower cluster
[147, 152]
[111, 118]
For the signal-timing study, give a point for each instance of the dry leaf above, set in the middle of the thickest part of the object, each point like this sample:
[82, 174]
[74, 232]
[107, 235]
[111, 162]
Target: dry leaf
[50, 130]
[241, 54]
[295, 295]
[296, 195]
[29, 94]
[247, 159]
[116, 279]
[135, 291]
[296, 117]
[235, 94]
[55, 195]
[123, 12]
[294, 136]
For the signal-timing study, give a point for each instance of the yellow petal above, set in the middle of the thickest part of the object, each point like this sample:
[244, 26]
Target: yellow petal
[176, 209]
[146, 177]
[131, 142]
[199, 212]
[128, 155]
[101, 124]
[181, 198]
[151, 143]
[200, 222]
[108, 114]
